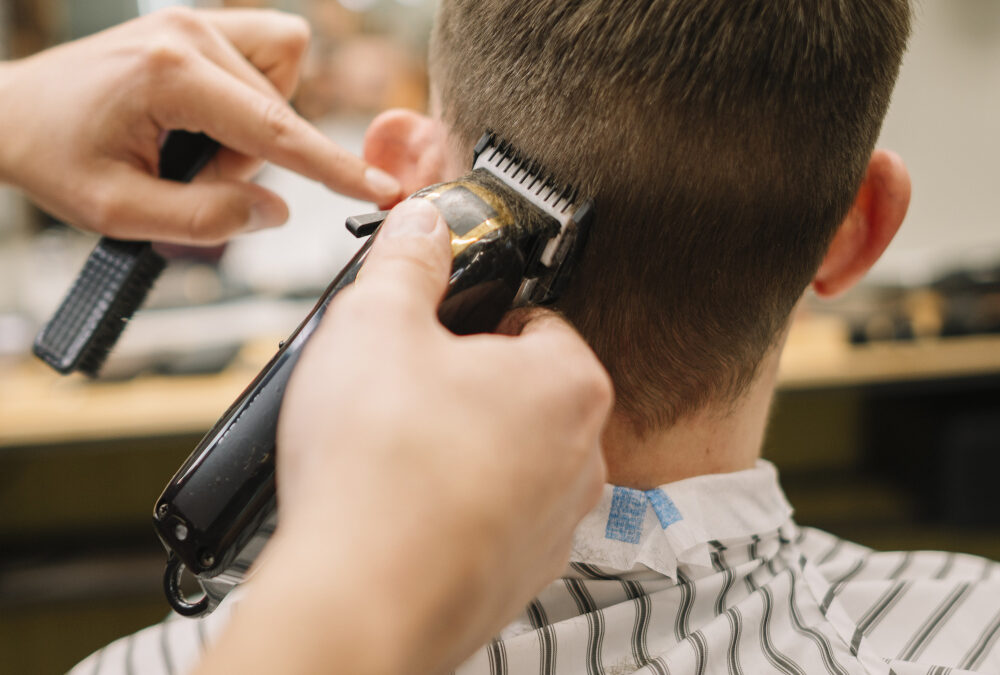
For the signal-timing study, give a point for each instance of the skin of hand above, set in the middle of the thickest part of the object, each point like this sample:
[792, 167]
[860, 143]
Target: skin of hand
[83, 124]
[415, 475]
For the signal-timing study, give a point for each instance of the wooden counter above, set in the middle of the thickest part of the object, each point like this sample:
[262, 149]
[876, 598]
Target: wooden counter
[39, 407]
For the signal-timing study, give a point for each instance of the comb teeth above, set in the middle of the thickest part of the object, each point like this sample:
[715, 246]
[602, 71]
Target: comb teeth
[504, 158]
[110, 288]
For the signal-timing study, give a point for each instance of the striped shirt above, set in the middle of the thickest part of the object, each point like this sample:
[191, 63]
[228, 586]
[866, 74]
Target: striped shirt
[706, 575]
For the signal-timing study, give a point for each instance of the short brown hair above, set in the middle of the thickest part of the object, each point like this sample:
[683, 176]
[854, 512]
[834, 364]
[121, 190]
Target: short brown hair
[723, 142]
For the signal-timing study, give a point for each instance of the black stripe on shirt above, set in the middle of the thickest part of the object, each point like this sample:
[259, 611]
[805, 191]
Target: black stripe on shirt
[933, 623]
[839, 584]
[498, 657]
[546, 638]
[776, 658]
[832, 553]
[907, 557]
[949, 562]
[682, 624]
[817, 637]
[595, 623]
[640, 629]
[735, 619]
[592, 572]
[643, 609]
[983, 645]
[659, 666]
[748, 579]
[697, 640]
[871, 618]
[729, 576]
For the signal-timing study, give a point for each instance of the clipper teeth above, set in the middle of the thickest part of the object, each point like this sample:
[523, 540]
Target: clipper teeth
[500, 158]
[506, 159]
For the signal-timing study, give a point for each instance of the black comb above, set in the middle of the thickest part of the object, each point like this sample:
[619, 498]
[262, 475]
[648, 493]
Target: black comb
[115, 279]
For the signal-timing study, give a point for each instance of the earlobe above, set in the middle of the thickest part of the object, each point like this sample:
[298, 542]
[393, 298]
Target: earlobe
[409, 146]
[870, 225]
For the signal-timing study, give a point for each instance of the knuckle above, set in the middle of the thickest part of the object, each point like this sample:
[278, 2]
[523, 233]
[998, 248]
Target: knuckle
[590, 384]
[163, 56]
[104, 210]
[207, 223]
[601, 389]
[581, 372]
[278, 120]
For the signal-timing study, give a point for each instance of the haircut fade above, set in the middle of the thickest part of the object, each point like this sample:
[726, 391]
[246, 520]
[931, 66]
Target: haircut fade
[723, 143]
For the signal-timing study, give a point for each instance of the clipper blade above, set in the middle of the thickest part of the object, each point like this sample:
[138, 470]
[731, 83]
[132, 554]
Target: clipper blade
[561, 201]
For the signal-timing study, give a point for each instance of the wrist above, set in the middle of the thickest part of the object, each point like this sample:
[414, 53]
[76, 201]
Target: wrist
[368, 605]
[390, 603]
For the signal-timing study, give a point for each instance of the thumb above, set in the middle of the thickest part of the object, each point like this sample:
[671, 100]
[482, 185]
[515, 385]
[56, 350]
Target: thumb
[202, 212]
[410, 259]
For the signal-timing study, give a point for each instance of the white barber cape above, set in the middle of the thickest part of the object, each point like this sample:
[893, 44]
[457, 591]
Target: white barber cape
[706, 575]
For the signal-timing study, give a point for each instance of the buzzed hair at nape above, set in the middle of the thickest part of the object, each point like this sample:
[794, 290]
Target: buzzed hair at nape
[722, 141]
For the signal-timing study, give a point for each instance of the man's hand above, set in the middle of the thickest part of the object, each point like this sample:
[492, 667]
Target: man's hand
[82, 125]
[428, 484]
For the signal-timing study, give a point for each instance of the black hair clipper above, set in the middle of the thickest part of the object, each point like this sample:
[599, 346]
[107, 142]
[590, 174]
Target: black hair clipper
[514, 237]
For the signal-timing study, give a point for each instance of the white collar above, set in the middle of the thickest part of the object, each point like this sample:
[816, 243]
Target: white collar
[680, 524]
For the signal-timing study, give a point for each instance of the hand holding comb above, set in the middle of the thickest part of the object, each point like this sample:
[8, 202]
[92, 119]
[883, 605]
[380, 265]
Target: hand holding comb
[115, 279]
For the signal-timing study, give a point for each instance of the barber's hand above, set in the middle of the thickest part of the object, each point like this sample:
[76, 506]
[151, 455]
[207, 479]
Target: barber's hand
[82, 123]
[428, 484]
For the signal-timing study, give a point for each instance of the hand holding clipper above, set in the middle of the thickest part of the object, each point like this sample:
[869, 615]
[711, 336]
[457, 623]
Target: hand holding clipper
[515, 235]
[408, 458]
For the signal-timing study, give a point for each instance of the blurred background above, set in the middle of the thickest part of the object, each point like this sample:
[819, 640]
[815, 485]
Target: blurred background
[886, 427]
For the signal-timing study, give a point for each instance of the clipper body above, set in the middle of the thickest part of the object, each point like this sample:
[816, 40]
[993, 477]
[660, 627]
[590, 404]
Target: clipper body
[514, 238]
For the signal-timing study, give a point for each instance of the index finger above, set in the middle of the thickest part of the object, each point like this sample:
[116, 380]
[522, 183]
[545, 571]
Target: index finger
[244, 119]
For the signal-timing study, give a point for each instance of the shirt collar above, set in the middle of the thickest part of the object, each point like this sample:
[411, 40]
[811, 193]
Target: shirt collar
[680, 524]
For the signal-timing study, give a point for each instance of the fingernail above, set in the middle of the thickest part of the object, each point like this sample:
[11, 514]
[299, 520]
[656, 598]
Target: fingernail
[264, 215]
[382, 183]
[414, 217]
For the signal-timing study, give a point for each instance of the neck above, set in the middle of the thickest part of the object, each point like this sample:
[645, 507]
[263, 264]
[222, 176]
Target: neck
[715, 439]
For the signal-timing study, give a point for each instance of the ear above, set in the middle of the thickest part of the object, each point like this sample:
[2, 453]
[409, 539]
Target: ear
[408, 145]
[872, 222]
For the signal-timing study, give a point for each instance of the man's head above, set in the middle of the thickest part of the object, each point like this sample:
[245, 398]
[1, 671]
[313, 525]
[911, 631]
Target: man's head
[723, 143]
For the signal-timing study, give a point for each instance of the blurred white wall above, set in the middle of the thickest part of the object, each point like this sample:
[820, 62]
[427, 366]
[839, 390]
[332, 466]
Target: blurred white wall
[945, 123]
